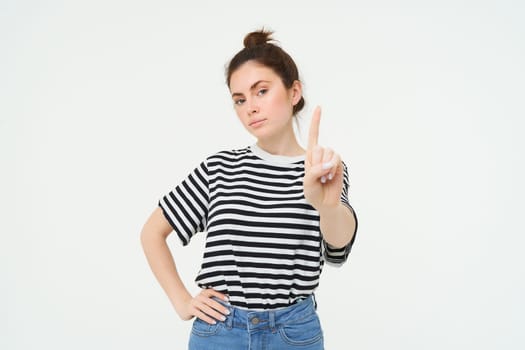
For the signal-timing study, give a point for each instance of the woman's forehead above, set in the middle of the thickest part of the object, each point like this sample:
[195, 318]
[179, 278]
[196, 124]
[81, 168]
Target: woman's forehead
[248, 74]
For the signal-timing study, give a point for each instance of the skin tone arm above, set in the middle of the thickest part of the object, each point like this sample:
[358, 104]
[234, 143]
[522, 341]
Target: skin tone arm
[323, 184]
[153, 238]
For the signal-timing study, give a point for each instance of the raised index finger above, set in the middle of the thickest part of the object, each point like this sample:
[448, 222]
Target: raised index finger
[313, 134]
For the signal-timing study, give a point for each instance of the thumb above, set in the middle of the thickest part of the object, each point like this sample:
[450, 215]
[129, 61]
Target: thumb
[319, 170]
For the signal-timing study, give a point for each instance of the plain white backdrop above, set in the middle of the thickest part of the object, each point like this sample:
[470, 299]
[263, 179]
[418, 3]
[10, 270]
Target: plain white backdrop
[106, 105]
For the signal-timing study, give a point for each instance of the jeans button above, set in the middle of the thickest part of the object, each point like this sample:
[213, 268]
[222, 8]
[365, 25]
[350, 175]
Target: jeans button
[255, 321]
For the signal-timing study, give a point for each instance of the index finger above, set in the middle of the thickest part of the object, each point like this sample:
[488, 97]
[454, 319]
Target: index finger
[313, 134]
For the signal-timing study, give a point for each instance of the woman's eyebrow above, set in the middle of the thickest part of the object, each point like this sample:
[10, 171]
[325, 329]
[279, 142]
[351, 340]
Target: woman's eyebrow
[253, 87]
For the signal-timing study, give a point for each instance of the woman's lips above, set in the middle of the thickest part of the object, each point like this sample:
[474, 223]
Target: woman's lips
[257, 123]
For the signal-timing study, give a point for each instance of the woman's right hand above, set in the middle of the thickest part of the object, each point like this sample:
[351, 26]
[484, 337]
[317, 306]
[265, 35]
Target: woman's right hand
[203, 306]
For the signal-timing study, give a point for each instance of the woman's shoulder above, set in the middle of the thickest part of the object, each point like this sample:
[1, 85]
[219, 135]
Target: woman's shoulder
[233, 154]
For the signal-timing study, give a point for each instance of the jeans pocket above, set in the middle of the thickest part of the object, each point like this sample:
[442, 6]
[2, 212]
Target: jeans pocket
[302, 332]
[204, 329]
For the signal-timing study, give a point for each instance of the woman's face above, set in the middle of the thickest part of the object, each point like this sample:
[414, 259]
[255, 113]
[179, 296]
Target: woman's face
[261, 101]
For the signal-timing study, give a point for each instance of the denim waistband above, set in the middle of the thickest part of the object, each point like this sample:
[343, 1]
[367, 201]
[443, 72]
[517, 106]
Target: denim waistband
[270, 319]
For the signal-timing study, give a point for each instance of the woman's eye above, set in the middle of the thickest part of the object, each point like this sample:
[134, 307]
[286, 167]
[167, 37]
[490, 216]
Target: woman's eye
[239, 101]
[262, 92]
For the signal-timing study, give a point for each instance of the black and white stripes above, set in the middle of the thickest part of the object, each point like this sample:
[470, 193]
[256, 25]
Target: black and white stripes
[263, 245]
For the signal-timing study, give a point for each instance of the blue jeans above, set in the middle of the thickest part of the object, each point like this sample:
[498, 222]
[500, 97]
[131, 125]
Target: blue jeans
[293, 327]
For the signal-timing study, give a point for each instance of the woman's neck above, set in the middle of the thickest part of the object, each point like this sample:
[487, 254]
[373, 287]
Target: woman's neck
[284, 145]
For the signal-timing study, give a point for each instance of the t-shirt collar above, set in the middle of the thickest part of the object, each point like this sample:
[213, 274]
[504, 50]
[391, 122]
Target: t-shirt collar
[274, 158]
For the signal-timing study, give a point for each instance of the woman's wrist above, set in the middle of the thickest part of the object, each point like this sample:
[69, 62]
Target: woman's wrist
[329, 211]
[180, 303]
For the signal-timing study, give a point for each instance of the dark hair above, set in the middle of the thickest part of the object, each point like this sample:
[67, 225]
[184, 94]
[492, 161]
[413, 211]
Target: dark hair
[259, 47]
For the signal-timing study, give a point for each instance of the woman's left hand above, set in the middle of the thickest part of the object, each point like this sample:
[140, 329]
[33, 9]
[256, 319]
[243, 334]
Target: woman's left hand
[323, 178]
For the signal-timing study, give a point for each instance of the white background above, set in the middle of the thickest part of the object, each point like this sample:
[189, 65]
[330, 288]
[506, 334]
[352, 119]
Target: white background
[106, 105]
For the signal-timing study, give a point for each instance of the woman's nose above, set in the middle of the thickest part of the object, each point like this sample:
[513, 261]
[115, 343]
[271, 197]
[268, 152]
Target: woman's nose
[253, 107]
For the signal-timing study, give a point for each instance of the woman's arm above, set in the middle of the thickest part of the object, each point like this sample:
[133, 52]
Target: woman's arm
[153, 238]
[337, 225]
[323, 187]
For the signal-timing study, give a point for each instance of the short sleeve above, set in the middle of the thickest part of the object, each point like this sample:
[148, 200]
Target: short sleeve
[186, 206]
[338, 256]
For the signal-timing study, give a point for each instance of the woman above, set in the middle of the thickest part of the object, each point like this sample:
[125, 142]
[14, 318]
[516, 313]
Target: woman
[273, 211]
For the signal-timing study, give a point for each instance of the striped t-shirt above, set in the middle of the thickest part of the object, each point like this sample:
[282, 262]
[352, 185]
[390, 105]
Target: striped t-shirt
[264, 248]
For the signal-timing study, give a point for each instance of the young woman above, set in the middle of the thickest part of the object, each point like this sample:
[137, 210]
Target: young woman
[274, 213]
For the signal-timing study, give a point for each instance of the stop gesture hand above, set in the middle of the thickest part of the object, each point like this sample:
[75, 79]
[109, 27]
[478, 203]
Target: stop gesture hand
[323, 178]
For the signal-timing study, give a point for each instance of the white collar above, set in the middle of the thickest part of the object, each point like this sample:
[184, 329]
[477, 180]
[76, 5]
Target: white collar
[274, 158]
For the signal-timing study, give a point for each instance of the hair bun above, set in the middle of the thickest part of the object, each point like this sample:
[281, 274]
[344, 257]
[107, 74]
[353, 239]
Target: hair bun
[259, 37]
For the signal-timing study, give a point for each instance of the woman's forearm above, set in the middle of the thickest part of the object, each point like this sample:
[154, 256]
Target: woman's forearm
[337, 225]
[163, 266]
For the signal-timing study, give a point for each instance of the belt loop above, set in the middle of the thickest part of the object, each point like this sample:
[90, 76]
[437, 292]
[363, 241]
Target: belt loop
[315, 301]
[271, 320]
[229, 318]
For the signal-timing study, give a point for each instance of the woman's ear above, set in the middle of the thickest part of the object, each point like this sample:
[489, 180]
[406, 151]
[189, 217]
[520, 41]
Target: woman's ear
[296, 91]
